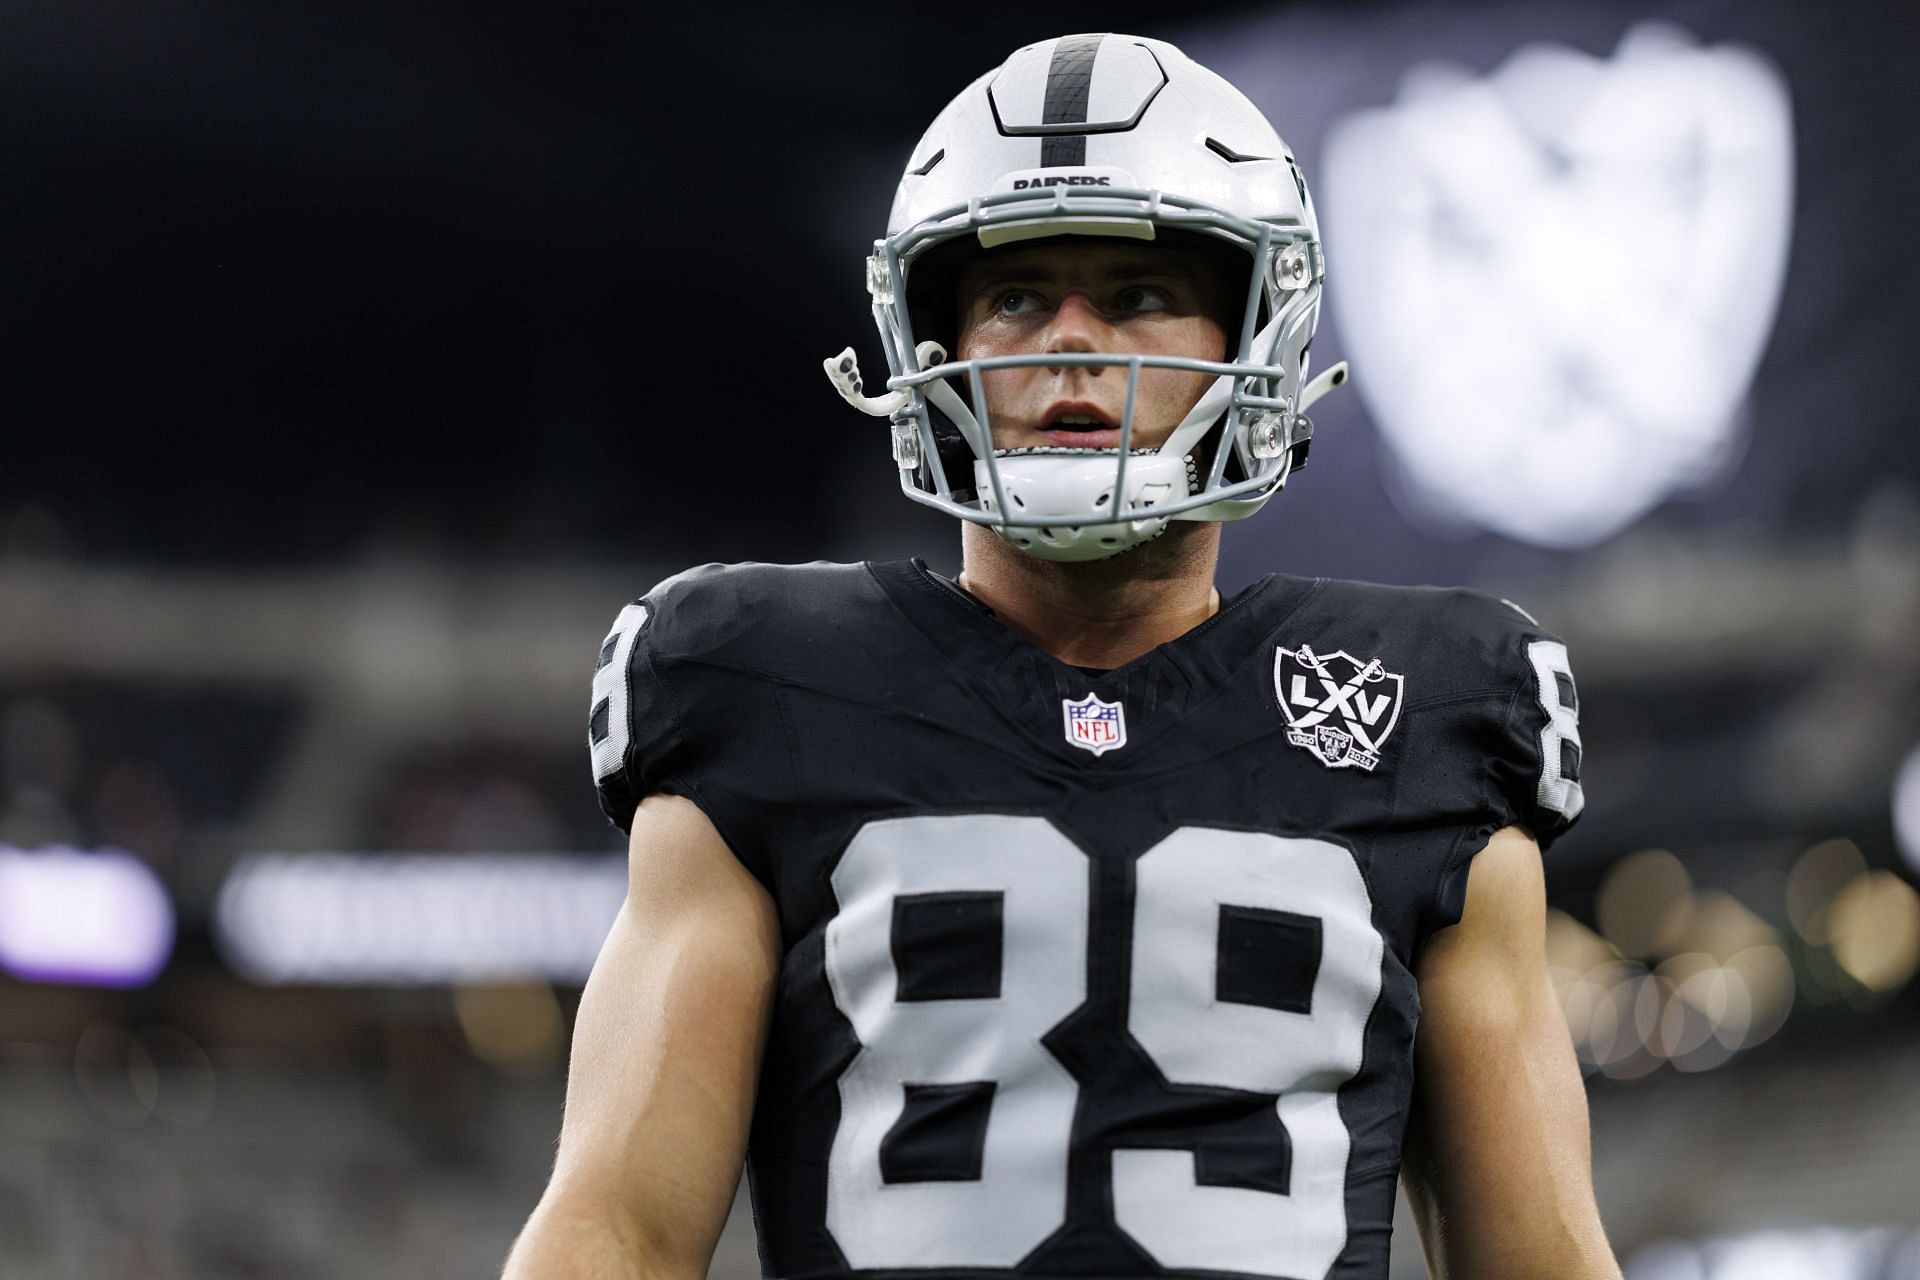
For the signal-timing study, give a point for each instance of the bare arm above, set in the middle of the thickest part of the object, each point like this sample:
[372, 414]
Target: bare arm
[666, 1052]
[1498, 1165]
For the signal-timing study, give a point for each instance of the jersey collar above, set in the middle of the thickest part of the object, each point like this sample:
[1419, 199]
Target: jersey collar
[1026, 684]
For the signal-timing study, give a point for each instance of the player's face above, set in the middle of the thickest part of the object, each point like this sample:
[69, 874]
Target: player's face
[1081, 297]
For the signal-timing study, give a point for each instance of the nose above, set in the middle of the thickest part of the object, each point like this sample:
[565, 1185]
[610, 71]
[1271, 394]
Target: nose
[1077, 328]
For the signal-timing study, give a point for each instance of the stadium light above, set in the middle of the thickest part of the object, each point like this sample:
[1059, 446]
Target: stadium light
[90, 918]
[411, 919]
[1784, 1253]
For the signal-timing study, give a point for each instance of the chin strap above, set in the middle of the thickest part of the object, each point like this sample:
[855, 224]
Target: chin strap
[1214, 401]
[1334, 376]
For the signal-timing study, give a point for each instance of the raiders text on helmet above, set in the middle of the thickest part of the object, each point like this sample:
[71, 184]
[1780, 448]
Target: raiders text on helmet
[1097, 135]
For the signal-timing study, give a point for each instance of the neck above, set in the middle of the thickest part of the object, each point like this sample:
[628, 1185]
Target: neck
[1098, 613]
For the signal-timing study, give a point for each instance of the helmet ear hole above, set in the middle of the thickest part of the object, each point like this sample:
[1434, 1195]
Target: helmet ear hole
[956, 455]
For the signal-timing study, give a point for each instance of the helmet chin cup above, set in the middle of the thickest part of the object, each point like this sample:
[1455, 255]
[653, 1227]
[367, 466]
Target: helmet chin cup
[1041, 487]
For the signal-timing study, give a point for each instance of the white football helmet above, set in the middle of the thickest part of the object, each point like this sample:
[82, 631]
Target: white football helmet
[1098, 135]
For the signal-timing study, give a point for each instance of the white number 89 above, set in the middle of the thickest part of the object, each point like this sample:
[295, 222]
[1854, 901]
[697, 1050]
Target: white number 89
[1193, 1037]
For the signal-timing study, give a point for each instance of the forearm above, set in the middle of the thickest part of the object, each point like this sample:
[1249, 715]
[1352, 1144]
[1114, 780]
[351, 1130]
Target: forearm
[1504, 1190]
[567, 1240]
[1543, 1245]
[1567, 1249]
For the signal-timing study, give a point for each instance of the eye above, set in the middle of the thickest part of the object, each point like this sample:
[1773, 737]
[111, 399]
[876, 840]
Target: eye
[1016, 302]
[1142, 297]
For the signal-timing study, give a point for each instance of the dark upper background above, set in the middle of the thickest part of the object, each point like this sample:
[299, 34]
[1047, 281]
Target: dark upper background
[290, 283]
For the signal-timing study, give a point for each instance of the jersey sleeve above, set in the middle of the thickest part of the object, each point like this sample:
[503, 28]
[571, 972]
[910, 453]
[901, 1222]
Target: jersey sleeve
[686, 699]
[632, 732]
[1516, 732]
[1534, 752]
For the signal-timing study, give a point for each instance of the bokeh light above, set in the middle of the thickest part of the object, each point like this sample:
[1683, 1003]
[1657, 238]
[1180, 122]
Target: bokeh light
[1906, 808]
[1873, 925]
[1817, 876]
[1645, 903]
[1685, 977]
[515, 1026]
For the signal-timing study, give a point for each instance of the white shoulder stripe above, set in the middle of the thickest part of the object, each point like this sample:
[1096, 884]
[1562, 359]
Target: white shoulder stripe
[1522, 612]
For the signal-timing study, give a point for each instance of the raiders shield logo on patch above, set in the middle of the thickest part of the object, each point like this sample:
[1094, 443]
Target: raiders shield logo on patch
[1336, 706]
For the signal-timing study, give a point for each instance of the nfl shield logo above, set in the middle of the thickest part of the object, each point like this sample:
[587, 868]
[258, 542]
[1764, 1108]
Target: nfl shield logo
[1095, 726]
[1338, 708]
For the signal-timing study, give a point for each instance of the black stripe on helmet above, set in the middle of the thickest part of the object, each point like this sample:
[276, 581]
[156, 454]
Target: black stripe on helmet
[1069, 85]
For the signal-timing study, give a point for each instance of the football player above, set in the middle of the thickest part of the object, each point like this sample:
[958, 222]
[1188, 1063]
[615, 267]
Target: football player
[1066, 919]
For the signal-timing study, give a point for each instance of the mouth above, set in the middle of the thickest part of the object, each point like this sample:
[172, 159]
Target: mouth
[1080, 424]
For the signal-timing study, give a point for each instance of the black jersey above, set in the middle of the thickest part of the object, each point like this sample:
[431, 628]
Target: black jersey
[1086, 974]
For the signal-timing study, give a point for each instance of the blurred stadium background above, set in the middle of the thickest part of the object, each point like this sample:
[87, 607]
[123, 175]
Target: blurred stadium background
[362, 360]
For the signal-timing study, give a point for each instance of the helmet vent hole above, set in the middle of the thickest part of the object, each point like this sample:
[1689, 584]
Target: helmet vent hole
[1109, 542]
[1016, 500]
[1228, 154]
